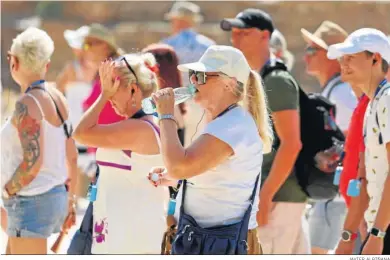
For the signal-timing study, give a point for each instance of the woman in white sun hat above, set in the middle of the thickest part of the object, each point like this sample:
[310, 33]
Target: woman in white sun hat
[77, 70]
[223, 165]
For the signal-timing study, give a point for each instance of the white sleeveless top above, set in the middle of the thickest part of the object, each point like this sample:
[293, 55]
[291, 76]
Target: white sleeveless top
[129, 212]
[53, 170]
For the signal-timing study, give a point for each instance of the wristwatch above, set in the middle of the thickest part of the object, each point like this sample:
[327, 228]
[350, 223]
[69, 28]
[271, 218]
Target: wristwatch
[348, 236]
[377, 233]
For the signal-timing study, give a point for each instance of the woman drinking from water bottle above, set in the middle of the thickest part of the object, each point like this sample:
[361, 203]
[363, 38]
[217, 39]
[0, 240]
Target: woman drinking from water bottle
[223, 165]
[128, 213]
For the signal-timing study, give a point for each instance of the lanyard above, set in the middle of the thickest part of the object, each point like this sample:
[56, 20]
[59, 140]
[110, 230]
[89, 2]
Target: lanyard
[34, 84]
[140, 113]
[227, 110]
[173, 191]
[383, 82]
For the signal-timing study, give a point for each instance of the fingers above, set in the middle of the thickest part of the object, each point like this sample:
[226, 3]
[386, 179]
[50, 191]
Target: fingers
[158, 170]
[156, 180]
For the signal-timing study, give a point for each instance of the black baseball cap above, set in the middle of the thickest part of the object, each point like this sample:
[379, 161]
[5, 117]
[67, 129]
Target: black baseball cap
[249, 18]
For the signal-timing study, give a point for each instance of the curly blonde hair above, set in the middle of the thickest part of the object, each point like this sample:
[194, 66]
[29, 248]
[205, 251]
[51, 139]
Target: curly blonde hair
[145, 78]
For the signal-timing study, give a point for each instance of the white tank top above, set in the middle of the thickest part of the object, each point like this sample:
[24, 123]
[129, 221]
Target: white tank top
[53, 171]
[129, 212]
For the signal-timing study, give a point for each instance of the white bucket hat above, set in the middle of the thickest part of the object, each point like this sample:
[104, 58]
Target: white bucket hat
[185, 9]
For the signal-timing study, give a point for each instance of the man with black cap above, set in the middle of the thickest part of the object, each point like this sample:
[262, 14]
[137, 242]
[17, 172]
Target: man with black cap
[281, 211]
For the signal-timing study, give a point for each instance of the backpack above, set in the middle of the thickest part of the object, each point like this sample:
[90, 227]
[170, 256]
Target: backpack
[319, 133]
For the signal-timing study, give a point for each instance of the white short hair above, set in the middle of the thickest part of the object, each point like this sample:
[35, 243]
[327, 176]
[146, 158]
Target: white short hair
[33, 48]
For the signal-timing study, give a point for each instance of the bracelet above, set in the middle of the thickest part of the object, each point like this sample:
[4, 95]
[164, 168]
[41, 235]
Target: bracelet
[167, 116]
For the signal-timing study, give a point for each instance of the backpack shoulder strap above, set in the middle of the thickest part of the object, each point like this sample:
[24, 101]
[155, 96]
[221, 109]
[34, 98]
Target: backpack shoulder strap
[268, 69]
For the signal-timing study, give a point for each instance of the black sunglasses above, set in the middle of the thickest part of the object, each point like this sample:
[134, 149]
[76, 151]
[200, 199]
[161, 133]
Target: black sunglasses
[200, 77]
[128, 66]
[311, 50]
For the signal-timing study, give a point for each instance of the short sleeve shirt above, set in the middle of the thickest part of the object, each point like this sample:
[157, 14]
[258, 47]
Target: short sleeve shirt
[377, 135]
[283, 94]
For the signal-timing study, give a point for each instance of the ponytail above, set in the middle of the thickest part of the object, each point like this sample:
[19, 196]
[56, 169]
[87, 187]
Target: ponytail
[255, 102]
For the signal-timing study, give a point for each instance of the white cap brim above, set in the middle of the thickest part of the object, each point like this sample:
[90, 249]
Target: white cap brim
[197, 66]
[335, 51]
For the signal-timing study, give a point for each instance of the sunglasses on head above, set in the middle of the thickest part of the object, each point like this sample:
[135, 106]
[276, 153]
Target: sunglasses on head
[199, 77]
[123, 58]
[311, 50]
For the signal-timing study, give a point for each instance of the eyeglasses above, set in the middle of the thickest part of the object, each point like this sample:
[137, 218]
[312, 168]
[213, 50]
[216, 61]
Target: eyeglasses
[128, 66]
[199, 77]
[311, 50]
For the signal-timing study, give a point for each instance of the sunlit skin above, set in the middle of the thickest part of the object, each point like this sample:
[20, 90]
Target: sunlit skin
[314, 58]
[96, 50]
[122, 100]
[254, 43]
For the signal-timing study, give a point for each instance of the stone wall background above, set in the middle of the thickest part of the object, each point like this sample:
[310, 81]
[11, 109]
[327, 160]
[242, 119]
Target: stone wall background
[139, 23]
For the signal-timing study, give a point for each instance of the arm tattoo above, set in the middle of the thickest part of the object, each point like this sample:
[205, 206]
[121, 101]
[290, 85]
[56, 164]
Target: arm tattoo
[29, 133]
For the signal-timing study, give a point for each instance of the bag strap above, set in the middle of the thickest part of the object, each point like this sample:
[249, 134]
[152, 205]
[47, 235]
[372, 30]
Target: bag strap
[251, 199]
[68, 133]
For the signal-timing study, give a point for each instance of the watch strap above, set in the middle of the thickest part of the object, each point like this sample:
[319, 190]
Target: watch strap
[347, 236]
[377, 233]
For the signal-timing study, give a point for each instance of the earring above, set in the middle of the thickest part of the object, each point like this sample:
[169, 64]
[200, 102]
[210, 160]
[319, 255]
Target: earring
[133, 103]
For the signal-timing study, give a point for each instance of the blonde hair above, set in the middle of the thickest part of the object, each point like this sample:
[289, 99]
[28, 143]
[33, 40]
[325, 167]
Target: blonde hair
[33, 48]
[255, 101]
[145, 78]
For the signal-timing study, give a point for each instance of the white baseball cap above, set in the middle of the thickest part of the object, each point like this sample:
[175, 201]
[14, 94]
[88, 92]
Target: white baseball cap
[220, 58]
[365, 39]
[75, 39]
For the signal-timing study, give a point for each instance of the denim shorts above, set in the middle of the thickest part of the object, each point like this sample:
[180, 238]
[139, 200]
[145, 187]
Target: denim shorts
[37, 216]
[326, 222]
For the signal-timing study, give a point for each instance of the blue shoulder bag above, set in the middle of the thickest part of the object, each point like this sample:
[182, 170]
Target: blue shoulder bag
[191, 239]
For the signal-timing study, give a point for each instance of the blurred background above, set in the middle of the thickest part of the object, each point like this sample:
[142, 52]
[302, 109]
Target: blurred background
[139, 23]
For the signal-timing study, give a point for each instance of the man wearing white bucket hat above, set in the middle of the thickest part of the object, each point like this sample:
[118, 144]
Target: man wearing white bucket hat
[188, 44]
[364, 58]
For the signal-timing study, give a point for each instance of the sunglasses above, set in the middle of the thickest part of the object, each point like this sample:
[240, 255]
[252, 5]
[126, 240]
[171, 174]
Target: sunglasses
[199, 77]
[123, 58]
[311, 50]
[90, 43]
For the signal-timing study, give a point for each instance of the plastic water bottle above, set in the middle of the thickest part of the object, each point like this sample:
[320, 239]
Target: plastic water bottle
[181, 95]
[353, 188]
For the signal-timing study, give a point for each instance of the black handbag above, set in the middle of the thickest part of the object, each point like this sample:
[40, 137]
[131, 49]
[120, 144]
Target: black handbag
[191, 239]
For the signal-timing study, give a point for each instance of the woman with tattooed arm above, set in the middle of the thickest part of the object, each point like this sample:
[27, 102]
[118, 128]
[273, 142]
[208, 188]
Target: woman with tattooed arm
[36, 150]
